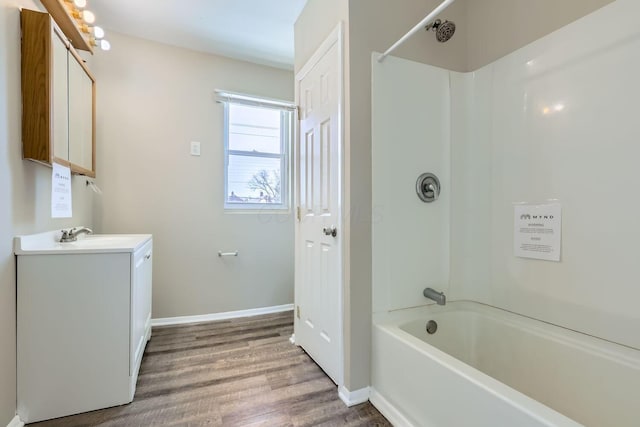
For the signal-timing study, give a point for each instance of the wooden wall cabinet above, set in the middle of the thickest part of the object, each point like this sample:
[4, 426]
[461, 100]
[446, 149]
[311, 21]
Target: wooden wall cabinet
[58, 98]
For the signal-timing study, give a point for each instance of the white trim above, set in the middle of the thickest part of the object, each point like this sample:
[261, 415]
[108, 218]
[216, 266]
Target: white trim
[182, 320]
[16, 422]
[345, 201]
[352, 398]
[334, 37]
[390, 412]
[258, 101]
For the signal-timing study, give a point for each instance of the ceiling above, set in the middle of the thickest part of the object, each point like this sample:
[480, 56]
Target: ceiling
[259, 31]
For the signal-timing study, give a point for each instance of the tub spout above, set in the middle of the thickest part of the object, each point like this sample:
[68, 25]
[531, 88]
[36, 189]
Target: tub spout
[432, 294]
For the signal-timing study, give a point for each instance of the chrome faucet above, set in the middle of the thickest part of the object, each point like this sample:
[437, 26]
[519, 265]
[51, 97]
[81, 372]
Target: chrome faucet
[438, 297]
[72, 235]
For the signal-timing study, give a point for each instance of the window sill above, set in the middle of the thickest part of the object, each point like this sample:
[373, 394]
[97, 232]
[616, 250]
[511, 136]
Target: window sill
[257, 210]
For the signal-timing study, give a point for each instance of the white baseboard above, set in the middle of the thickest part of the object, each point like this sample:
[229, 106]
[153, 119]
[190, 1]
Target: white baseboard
[16, 422]
[390, 412]
[351, 398]
[165, 321]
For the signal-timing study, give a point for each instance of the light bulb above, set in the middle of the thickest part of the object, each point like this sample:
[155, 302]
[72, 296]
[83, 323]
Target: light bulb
[80, 3]
[88, 16]
[98, 32]
[105, 45]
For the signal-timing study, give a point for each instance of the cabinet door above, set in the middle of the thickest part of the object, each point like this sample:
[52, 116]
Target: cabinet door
[44, 89]
[81, 114]
[140, 303]
[59, 98]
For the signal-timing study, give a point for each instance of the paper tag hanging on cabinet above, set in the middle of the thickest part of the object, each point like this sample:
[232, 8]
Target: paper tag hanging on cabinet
[60, 192]
[538, 231]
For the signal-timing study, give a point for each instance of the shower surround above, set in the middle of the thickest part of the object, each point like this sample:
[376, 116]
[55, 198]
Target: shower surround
[553, 120]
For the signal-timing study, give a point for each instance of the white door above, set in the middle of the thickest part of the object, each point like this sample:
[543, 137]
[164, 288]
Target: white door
[318, 323]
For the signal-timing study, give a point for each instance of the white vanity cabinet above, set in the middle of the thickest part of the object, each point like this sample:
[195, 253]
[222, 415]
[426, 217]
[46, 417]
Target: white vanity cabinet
[83, 320]
[140, 305]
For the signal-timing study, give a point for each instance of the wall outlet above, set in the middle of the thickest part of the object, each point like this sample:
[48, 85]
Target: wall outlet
[195, 148]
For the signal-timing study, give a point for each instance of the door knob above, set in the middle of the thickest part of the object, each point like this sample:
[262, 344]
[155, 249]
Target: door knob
[330, 231]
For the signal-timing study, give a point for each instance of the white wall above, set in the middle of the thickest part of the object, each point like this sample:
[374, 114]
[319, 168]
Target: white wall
[585, 156]
[25, 195]
[411, 135]
[153, 99]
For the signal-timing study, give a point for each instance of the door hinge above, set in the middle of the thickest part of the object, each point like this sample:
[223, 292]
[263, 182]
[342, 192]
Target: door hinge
[298, 213]
[298, 311]
[298, 112]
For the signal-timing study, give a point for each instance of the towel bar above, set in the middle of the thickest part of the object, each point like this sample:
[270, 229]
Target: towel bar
[221, 254]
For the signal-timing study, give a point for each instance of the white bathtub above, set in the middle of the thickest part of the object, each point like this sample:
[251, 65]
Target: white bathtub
[488, 367]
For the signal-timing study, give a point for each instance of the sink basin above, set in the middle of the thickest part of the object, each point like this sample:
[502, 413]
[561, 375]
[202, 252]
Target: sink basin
[49, 243]
[97, 240]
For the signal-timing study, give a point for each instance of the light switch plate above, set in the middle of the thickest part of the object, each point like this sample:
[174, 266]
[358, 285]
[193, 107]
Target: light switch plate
[195, 148]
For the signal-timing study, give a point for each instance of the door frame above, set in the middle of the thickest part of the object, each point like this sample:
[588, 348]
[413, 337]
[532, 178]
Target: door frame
[336, 37]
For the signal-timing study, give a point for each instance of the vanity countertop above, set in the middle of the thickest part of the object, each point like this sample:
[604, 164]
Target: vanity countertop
[49, 243]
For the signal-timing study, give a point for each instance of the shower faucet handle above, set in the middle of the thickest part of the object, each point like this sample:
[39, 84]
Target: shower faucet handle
[433, 190]
[428, 187]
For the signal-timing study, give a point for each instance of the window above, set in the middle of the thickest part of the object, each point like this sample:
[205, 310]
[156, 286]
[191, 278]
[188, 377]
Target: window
[257, 139]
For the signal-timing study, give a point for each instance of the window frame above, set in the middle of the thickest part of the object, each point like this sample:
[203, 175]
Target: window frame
[286, 136]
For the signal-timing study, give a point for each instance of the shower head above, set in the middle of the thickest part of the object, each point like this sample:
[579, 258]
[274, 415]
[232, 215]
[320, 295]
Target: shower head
[444, 30]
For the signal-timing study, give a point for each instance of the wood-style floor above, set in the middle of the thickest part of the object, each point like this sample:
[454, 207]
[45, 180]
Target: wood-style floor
[239, 372]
